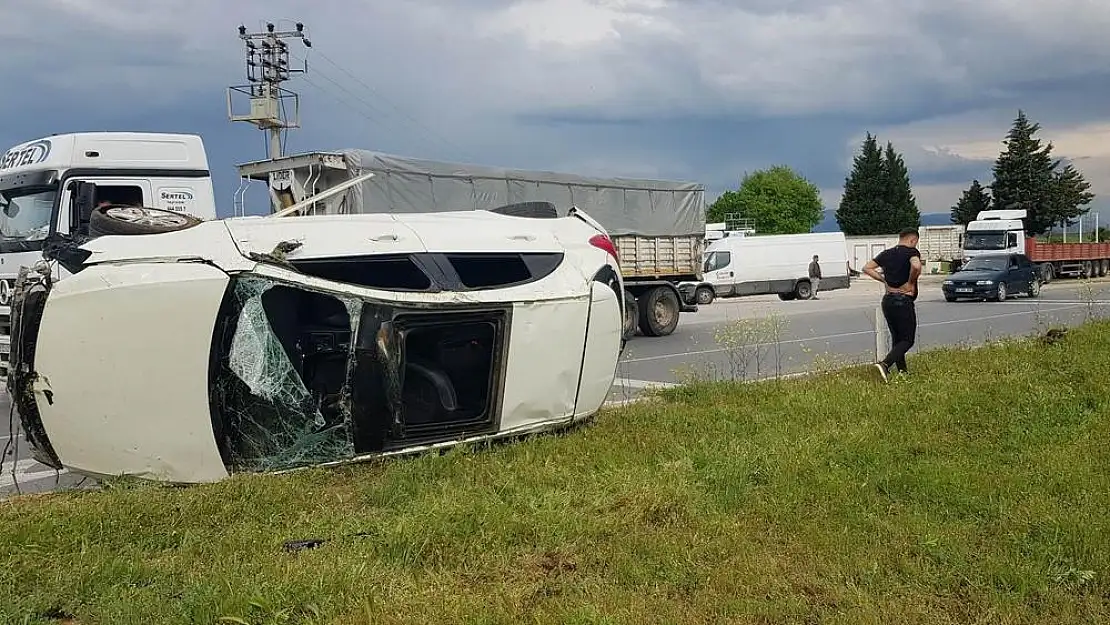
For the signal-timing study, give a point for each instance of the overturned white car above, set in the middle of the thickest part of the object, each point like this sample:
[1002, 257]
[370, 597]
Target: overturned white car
[260, 344]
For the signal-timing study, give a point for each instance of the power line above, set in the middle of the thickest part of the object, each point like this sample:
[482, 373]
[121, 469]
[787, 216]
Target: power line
[400, 110]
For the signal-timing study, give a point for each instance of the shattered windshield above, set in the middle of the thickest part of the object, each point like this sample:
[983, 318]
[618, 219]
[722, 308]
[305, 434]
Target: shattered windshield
[25, 214]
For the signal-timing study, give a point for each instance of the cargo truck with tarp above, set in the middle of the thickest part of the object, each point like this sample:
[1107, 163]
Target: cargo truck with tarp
[658, 226]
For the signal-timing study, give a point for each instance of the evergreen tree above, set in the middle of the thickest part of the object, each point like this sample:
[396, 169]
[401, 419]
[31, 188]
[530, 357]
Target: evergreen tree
[863, 207]
[902, 211]
[1072, 196]
[974, 200]
[1025, 178]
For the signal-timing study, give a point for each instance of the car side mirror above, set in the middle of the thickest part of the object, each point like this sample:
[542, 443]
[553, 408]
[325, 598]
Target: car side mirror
[84, 200]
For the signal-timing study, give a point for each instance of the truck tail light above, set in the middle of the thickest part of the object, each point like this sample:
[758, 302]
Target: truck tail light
[603, 242]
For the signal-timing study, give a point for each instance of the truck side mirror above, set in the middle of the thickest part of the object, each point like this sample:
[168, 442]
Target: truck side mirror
[84, 201]
[1011, 239]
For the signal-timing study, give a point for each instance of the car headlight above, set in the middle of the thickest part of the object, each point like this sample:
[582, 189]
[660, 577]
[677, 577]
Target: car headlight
[947, 283]
[985, 282]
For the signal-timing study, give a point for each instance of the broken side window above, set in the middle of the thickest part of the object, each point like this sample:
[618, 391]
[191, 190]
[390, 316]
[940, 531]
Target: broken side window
[280, 393]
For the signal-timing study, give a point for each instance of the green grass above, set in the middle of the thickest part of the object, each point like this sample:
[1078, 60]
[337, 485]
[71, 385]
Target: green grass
[979, 491]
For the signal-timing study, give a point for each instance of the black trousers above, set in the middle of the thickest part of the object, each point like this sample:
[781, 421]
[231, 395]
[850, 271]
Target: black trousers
[901, 318]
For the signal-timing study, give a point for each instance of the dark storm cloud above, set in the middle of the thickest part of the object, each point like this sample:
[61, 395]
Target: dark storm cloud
[702, 89]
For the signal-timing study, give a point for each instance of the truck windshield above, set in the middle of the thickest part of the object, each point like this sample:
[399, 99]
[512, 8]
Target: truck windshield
[985, 241]
[25, 216]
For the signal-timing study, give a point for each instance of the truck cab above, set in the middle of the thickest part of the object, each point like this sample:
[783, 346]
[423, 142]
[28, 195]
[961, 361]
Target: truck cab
[995, 232]
[51, 185]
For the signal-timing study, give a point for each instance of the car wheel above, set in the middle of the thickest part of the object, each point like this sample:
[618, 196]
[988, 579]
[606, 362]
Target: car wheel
[949, 298]
[704, 295]
[534, 210]
[128, 220]
[1001, 296]
[659, 309]
[631, 315]
[1035, 288]
[803, 290]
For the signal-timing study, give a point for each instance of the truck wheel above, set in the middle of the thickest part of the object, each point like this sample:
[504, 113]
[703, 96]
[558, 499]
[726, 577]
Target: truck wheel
[1001, 296]
[1047, 273]
[803, 290]
[659, 312]
[534, 210]
[631, 315]
[117, 219]
[788, 297]
[1104, 268]
[704, 295]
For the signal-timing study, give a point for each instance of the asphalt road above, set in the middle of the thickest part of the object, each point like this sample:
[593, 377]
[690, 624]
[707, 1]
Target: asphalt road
[837, 328]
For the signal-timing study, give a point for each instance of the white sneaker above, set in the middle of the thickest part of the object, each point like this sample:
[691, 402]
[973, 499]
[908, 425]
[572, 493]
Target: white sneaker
[882, 371]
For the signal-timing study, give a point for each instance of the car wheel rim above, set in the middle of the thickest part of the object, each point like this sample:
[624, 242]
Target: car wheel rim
[1036, 288]
[1001, 292]
[703, 297]
[143, 217]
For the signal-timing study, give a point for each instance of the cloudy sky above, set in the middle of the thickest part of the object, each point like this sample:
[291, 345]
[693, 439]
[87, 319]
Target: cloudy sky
[688, 89]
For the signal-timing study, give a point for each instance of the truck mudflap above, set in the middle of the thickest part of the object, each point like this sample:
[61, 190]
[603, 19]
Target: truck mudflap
[32, 287]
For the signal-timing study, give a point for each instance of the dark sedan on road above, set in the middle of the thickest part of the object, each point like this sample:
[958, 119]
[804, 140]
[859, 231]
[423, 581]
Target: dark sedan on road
[994, 277]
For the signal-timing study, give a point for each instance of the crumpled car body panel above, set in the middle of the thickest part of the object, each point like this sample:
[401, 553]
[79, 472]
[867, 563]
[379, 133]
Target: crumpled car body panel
[188, 356]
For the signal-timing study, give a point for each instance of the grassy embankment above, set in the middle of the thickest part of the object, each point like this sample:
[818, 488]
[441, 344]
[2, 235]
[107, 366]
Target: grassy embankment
[985, 498]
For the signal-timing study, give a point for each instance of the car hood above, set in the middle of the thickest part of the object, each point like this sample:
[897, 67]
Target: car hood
[975, 276]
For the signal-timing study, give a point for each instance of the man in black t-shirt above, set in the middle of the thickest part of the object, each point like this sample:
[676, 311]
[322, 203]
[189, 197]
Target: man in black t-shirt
[898, 268]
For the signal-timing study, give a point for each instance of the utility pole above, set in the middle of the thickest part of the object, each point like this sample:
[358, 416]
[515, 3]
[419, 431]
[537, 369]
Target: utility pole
[267, 68]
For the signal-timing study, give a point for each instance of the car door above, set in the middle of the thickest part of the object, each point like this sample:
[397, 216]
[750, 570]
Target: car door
[1029, 273]
[1015, 281]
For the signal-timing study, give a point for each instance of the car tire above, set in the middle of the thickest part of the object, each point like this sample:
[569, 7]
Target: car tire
[131, 220]
[803, 289]
[532, 210]
[949, 298]
[704, 295]
[1001, 295]
[1034, 288]
[659, 310]
[631, 315]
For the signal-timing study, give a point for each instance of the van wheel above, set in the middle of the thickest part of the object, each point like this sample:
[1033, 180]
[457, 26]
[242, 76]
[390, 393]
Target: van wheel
[534, 210]
[116, 219]
[803, 290]
[704, 295]
[659, 312]
[631, 315]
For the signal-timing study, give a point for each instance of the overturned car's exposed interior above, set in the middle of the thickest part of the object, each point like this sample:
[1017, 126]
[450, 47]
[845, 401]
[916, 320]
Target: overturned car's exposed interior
[303, 377]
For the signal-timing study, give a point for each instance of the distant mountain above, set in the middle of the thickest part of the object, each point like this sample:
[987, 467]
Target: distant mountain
[828, 224]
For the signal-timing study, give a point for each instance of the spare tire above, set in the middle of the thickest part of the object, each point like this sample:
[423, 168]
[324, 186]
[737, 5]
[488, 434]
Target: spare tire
[117, 219]
[534, 210]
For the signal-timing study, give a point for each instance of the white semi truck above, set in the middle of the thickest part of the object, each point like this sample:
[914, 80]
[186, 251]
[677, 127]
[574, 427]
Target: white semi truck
[94, 184]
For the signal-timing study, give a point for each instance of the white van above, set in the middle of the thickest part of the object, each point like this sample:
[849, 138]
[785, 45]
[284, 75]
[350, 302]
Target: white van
[779, 264]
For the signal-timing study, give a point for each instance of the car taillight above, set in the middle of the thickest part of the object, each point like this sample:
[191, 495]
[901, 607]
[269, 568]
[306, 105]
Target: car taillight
[603, 242]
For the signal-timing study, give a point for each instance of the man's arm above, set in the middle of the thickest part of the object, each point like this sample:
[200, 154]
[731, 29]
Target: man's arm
[916, 267]
[872, 270]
